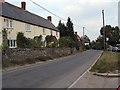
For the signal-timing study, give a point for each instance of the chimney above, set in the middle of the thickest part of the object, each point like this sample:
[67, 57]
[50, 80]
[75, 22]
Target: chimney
[2, 1]
[23, 5]
[75, 33]
[49, 18]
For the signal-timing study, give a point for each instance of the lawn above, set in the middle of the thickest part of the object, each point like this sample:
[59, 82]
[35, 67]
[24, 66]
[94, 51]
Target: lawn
[109, 62]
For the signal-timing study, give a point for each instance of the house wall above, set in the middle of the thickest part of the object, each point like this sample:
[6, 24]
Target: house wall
[20, 27]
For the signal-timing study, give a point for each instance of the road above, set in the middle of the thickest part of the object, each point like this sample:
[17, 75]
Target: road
[60, 73]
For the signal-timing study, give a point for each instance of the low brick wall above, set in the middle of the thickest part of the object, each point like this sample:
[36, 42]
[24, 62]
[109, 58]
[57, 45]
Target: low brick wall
[22, 54]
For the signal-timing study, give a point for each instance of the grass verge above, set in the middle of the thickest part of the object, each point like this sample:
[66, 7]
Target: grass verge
[109, 62]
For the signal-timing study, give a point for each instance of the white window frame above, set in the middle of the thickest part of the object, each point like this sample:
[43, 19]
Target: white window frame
[27, 27]
[9, 23]
[12, 43]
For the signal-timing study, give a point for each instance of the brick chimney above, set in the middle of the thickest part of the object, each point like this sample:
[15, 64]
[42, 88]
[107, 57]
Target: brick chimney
[23, 5]
[49, 18]
[75, 33]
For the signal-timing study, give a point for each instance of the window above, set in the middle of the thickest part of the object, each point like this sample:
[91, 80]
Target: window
[9, 23]
[12, 43]
[44, 31]
[27, 27]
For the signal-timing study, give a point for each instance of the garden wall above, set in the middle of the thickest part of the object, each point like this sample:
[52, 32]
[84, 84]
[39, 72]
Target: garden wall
[23, 54]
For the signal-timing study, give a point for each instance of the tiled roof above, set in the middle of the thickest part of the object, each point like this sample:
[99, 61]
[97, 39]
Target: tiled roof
[14, 12]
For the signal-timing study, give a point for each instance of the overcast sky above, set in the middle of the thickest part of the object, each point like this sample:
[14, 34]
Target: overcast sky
[84, 13]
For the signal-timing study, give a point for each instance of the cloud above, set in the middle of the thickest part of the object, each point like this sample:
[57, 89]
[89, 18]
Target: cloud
[85, 13]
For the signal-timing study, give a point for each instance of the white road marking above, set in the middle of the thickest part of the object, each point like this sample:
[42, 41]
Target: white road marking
[84, 73]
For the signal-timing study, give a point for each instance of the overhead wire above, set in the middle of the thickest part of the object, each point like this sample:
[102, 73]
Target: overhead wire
[59, 16]
[51, 12]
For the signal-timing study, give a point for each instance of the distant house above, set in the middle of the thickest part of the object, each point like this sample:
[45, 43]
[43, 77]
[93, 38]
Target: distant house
[17, 19]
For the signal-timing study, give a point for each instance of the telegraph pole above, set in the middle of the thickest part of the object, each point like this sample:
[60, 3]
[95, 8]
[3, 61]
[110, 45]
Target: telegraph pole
[104, 37]
[83, 31]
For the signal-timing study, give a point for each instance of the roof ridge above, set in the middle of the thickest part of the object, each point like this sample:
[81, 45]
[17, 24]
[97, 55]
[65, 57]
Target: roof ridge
[17, 13]
[25, 10]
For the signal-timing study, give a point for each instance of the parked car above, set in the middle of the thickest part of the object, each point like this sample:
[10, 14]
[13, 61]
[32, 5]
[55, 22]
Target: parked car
[114, 49]
[118, 50]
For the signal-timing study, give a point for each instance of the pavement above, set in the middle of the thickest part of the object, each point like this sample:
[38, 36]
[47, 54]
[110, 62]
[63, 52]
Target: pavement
[93, 81]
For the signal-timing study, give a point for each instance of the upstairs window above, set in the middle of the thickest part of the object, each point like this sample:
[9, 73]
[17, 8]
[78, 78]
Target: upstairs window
[27, 27]
[9, 23]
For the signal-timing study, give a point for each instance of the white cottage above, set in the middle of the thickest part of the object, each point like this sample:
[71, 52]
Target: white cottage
[17, 19]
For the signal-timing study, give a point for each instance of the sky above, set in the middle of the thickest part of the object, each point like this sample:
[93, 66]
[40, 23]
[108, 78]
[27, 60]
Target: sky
[83, 13]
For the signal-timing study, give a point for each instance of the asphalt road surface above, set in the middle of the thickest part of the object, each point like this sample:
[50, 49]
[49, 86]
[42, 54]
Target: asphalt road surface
[60, 73]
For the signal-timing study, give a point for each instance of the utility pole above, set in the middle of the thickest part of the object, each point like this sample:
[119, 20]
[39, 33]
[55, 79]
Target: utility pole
[83, 31]
[104, 36]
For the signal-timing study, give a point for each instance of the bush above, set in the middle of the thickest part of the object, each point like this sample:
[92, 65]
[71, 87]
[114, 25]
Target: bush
[4, 46]
[52, 41]
[23, 42]
[66, 42]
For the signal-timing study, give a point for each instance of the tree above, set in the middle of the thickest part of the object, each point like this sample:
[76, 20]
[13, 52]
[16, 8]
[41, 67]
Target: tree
[69, 26]
[63, 29]
[98, 44]
[112, 33]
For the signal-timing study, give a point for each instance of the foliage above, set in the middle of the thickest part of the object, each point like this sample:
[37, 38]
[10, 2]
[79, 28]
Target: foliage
[4, 35]
[98, 44]
[66, 42]
[112, 33]
[23, 42]
[66, 30]
[63, 29]
[4, 46]
[38, 41]
[69, 26]
[68, 38]
[51, 41]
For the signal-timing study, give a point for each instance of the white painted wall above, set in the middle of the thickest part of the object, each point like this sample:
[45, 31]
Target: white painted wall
[20, 27]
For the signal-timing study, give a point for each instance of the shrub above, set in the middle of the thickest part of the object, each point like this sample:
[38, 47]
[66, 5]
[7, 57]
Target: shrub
[66, 42]
[51, 41]
[23, 42]
[4, 46]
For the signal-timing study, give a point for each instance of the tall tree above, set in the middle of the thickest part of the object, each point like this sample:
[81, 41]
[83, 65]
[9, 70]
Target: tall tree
[112, 33]
[70, 29]
[63, 29]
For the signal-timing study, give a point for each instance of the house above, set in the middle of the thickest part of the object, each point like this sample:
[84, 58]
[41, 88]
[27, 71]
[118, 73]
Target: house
[17, 19]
